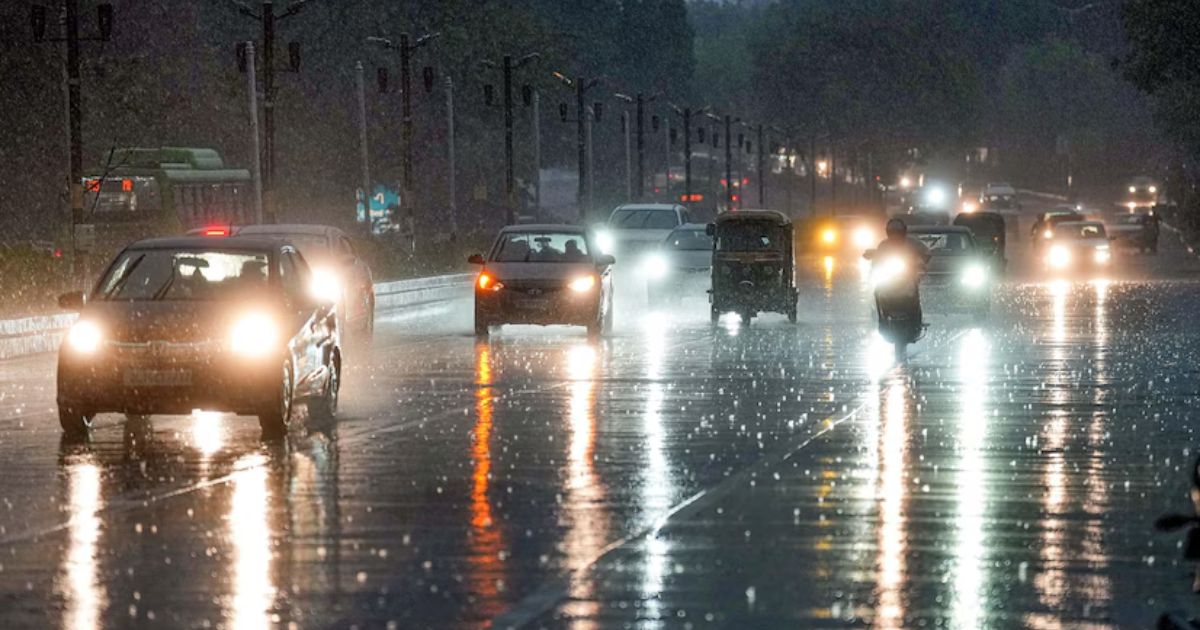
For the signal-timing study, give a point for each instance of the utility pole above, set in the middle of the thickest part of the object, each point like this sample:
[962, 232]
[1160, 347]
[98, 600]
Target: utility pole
[268, 19]
[364, 150]
[583, 130]
[256, 161]
[832, 181]
[762, 173]
[509, 65]
[628, 157]
[537, 154]
[812, 175]
[74, 92]
[728, 164]
[406, 48]
[667, 156]
[451, 176]
[641, 146]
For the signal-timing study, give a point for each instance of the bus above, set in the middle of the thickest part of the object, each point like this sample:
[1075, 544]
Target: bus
[145, 192]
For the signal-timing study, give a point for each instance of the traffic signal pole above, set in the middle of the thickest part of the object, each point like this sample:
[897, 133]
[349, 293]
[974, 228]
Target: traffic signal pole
[75, 134]
[270, 212]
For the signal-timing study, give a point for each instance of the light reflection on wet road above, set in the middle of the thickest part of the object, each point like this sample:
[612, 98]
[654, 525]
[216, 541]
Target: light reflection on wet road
[762, 476]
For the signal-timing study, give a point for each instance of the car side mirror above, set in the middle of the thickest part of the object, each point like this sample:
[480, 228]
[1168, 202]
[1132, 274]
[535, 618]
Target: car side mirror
[605, 260]
[475, 259]
[869, 254]
[72, 301]
[710, 229]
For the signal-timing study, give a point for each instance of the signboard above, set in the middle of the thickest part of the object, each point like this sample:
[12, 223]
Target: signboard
[384, 203]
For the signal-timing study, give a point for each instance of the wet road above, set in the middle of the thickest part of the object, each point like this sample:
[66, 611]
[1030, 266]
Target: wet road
[674, 475]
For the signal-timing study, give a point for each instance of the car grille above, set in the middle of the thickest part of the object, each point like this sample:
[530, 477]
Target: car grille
[163, 351]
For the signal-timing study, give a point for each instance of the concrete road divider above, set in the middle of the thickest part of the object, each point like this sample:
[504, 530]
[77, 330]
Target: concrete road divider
[43, 333]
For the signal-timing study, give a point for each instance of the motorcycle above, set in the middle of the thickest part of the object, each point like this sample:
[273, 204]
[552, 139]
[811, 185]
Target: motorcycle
[895, 282]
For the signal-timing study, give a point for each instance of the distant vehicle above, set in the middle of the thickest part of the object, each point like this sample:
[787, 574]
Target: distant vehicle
[139, 193]
[544, 275]
[843, 235]
[1135, 231]
[997, 189]
[1141, 192]
[633, 230]
[930, 206]
[1078, 245]
[1043, 228]
[960, 271]
[184, 323]
[990, 232]
[337, 268]
[753, 265]
[680, 267]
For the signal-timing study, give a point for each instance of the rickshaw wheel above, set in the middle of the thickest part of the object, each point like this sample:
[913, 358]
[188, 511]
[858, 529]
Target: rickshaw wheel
[792, 315]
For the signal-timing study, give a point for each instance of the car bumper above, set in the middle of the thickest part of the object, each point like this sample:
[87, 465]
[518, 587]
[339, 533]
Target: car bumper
[103, 383]
[556, 308]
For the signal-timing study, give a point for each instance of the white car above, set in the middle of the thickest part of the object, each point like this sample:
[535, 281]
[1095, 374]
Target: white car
[634, 230]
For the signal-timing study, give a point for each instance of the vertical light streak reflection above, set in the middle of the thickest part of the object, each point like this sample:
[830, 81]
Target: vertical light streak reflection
[486, 567]
[971, 495]
[656, 486]
[893, 491]
[587, 532]
[1099, 586]
[829, 266]
[253, 586]
[206, 433]
[79, 575]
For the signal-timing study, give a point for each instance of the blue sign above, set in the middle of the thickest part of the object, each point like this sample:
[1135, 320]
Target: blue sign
[383, 203]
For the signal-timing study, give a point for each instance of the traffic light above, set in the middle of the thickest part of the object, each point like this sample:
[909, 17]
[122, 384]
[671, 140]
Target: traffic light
[381, 79]
[294, 56]
[242, 60]
[489, 94]
[562, 111]
[700, 135]
[597, 111]
[527, 95]
[428, 76]
[104, 18]
[654, 123]
[37, 20]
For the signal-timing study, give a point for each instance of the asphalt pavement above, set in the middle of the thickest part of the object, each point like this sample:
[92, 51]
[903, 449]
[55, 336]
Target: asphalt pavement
[673, 475]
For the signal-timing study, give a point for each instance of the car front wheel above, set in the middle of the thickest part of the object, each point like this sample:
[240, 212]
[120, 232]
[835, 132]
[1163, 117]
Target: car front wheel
[75, 422]
[326, 406]
[277, 412]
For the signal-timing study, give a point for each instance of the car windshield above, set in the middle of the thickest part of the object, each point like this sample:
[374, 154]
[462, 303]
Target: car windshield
[541, 247]
[643, 219]
[1080, 232]
[748, 238]
[689, 240]
[945, 242]
[173, 275]
[1130, 219]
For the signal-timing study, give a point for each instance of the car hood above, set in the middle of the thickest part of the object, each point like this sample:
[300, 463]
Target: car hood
[172, 321]
[689, 259]
[562, 272]
[1085, 243]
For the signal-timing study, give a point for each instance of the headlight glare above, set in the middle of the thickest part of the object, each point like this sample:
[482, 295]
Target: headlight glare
[85, 337]
[253, 335]
[1102, 255]
[975, 276]
[656, 267]
[605, 241]
[864, 238]
[326, 285]
[583, 284]
[888, 270]
[829, 236]
[1058, 257]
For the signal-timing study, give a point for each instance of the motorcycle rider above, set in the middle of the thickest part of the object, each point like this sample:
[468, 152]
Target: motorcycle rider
[914, 253]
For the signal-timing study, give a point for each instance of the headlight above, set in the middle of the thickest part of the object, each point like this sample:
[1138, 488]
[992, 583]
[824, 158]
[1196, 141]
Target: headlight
[253, 335]
[656, 267]
[936, 196]
[888, 270]
[1153, 189]
[326, 285]
[974, 276]
[864, 238]
[583, 285]
[1048, 233]
[1102, 255]
[1132, 189]
[1058, 257]
[969, 206]
[905, 182]
[829, 236]
[84, 337]
[606, 243]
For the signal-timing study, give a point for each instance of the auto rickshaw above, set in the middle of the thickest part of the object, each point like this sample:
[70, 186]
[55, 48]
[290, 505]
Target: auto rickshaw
[990, 233]
[753, 265]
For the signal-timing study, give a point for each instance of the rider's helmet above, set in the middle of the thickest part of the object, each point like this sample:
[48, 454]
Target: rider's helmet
[896, 229]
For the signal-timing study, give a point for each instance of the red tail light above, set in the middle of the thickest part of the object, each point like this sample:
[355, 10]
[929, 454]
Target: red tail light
[216, 232]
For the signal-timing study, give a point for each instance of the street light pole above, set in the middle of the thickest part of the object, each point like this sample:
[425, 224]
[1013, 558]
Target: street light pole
[256, 161]
[75, 133]
[537, 154]
[728, 163]
[364, 151]
[641, 146]
[762, 173]
[270, 212]
[451, 177]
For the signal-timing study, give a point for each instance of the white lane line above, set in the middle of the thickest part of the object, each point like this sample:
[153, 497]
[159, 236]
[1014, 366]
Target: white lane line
[558, 587]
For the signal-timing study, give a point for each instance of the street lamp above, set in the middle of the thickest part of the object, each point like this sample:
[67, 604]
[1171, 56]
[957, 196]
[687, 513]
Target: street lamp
[583, 119]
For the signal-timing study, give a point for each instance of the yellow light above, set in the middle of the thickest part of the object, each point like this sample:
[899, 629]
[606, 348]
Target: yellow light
[584, 284]
[1058, 257]
[905, 182]
[829, 236]
[253, 335]
[326, 285]
[487, 283]
[969, 207]
[84, 337]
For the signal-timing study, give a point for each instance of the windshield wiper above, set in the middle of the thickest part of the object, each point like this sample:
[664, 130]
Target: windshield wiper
[124, 277]
[158, 295]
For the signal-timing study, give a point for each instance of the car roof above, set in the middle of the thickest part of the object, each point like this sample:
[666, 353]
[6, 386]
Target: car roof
[773, 216]
[646, 206]
[544, 227]
[691, 226]
[286, 228]
[939, 229]
[207, 242]
[1071, 224]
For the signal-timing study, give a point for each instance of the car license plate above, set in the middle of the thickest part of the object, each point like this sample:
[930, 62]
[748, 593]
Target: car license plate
[157, 378]
[534, 305]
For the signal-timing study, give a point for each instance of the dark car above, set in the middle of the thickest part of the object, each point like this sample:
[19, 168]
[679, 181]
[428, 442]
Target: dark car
[544, 275]
[1043, 228]
[959, 268]
[337, 268]
[991, 235]
[187, 323]
[1135, 231]
[680, 266]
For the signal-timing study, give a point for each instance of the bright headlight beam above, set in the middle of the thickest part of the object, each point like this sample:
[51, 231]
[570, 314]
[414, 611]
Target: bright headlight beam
[656, 266]
[605, 242]
[864, 238]
[85, 336]
[326, 285]
[583, 284]
[1058, 257]
[253, 335]
[1102, 255]
[974, 276]
[888, 270]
